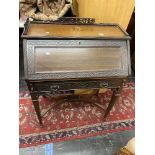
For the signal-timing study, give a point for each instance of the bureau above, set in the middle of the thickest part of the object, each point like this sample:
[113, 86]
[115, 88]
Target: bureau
[74, 55]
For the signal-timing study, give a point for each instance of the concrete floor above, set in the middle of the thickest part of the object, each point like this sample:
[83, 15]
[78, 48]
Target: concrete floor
[100, 145]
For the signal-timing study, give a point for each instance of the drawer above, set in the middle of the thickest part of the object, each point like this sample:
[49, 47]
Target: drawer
[72, 59]
[73, 85]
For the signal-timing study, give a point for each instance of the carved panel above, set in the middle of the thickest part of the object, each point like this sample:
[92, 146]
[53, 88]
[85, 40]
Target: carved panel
[70, 20]
[32, 44]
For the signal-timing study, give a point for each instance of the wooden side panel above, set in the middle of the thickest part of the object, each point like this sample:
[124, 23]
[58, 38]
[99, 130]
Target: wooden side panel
[105, 11]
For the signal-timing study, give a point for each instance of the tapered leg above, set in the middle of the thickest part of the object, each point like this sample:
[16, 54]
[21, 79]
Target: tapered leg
[36, 106]
[97, 92]
[35, 101]
[115, 96]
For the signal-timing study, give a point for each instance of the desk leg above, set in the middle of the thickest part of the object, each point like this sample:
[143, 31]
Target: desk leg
[115, 96]
[34, 97]
[36, 106]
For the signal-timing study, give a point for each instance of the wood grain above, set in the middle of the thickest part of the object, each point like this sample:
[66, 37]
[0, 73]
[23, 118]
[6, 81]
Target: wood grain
[74, 30]
[78, 59]
[105, 11]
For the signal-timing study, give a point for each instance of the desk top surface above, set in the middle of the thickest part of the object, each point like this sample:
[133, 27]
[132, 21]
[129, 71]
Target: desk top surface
[46, 30]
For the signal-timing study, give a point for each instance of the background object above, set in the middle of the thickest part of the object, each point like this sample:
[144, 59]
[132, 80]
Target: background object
[131, 145]
[44, 9]
[131, 31]
[105, 11]
[129, 149]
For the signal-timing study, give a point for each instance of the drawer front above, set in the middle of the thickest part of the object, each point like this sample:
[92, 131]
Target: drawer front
[73, 85]
[67, 59]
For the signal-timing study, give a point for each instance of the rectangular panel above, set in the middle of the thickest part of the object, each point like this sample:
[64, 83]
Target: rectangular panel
[73, 59]
[57, 30]
[73, 85]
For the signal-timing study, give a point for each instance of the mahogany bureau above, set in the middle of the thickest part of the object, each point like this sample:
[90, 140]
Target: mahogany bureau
[69, 56]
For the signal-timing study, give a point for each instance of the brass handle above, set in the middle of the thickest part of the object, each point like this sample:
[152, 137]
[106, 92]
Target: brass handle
[54, 89]
[104, 84]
